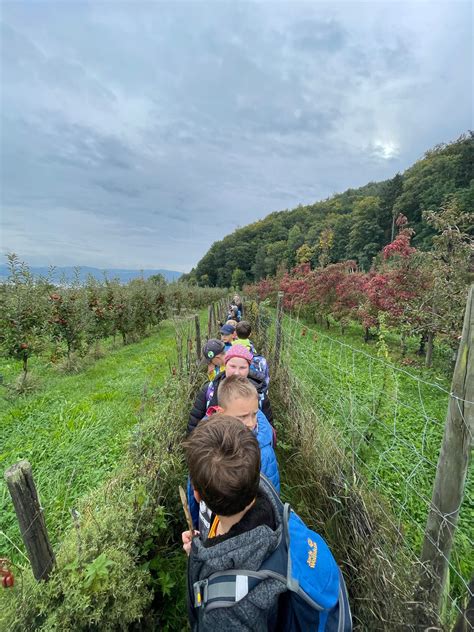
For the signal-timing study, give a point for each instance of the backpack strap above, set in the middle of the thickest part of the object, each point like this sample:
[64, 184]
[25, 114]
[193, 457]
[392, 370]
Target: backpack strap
[273, 492]
[345, 615]
[222, 590]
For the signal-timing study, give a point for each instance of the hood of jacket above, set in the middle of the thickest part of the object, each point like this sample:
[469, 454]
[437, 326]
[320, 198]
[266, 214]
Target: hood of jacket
[265, 433]
[247, 550]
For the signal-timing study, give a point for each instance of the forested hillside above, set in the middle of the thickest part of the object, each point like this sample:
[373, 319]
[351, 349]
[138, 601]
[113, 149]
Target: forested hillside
[355, 224]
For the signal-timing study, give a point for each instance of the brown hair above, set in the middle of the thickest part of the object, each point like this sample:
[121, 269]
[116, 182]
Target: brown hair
[233, 387]
[223, 458]
[243, 329]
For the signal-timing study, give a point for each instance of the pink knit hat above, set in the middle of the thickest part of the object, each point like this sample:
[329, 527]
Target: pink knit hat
[239, 351]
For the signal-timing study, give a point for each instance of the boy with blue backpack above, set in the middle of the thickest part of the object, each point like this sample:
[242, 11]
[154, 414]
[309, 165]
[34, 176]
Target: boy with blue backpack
[239, 398]
[260, 567]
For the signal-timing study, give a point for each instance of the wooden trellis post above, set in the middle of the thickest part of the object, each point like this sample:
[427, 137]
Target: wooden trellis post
[214, 319]
[198, 336]
[20, 483]
[453, 462]
[209, 321]
[222, 308]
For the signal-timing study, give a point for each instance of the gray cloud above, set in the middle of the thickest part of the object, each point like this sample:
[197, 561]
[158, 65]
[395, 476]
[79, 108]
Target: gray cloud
[137, 134]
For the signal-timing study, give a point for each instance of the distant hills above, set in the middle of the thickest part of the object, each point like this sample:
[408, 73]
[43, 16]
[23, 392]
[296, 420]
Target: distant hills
[355, 224]
[67, 273]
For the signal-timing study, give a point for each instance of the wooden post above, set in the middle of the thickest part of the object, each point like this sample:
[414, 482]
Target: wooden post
[214, 320]
[189, 349]
[278, 329]
[451, 471]
[198, 336]
[222, 308]
[29, 512]
[209, 322]
[179, 351]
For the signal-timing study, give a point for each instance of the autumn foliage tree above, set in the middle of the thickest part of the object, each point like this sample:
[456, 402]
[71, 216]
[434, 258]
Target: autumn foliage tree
[414, 292]
[398, 283]
[451, 265]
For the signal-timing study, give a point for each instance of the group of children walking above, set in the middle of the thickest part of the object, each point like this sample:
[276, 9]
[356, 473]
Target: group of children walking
[253, 564]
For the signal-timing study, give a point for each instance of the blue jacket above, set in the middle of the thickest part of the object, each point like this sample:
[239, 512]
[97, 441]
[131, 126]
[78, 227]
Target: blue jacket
[268, 466]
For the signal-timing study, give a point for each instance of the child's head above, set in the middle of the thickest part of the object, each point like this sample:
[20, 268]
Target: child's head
[243, 329]
[227, 333]
[224, 464]
[214, 352]
[232, 322]
[238, 398]
[238, 360]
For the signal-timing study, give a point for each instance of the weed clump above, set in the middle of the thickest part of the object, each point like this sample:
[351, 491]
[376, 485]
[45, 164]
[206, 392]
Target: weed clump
[25, 383]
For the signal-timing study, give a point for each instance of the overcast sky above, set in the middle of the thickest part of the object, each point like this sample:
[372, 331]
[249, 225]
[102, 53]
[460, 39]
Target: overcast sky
[136, 134]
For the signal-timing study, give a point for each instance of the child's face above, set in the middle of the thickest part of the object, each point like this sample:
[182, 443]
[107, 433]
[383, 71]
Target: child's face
[237, 366]
[218, 360]
[245, 409]
[227, 337]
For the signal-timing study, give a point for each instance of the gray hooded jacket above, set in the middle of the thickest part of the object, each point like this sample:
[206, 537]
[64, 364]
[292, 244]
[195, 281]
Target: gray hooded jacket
[258, 610]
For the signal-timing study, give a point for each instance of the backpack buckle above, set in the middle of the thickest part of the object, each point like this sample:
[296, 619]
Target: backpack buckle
[200, 593]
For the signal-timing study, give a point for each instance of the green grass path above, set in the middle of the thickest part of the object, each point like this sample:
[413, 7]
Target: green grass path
[73, 429]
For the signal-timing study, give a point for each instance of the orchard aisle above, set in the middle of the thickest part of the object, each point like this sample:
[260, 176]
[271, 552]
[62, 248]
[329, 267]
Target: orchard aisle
[74, 427]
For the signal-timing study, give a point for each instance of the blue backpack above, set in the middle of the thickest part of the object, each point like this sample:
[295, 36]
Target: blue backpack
[316, 596]
[260, 367]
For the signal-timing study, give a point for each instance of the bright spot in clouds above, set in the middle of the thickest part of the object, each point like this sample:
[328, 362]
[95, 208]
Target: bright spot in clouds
[386, 150]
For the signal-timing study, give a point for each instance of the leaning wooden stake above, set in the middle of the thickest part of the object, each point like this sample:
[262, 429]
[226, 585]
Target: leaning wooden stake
[214, 319]
[29, 512]
[198, 336]
[187, 513]
[279, 324]
[209, 321]
[222, 310]
[451, 471]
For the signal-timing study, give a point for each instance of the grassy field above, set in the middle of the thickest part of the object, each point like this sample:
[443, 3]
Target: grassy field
[73, 428]
[391, 418]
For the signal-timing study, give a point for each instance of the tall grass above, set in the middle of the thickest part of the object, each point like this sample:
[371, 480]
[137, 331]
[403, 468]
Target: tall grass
[329, 493]
[74, 429]
[122, 566]
[358, 445]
